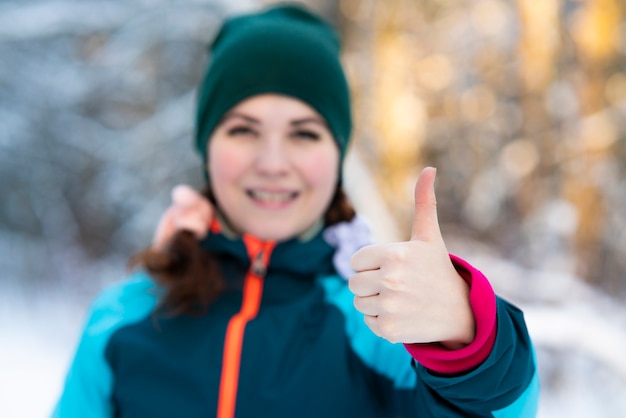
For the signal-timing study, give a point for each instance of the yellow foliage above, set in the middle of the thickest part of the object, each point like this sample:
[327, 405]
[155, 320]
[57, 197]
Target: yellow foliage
[540, 41]
[595, 29]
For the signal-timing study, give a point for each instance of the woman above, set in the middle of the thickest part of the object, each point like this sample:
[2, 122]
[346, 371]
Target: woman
[263, 300]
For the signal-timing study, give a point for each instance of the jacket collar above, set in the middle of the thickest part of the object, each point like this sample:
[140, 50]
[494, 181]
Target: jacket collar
[306, 255]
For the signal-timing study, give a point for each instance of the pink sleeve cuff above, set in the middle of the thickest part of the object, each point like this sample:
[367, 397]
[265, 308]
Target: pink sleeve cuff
[435, 357]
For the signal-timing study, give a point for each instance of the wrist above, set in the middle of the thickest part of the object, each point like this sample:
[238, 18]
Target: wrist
[465, 324]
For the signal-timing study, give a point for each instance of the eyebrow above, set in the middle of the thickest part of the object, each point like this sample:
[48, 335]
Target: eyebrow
[297, 122]
[242, 116]
[308, 120]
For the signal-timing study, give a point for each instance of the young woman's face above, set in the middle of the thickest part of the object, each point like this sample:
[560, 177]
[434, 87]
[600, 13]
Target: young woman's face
[273, 166]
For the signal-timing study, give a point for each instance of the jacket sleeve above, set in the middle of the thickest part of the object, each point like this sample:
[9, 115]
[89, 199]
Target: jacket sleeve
[88, 384]
[493, 376]
[88, 381]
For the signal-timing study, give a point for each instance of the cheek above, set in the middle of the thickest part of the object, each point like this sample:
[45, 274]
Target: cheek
[322, 171]
[225, 166]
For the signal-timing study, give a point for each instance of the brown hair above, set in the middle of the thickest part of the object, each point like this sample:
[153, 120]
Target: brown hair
[191, 275]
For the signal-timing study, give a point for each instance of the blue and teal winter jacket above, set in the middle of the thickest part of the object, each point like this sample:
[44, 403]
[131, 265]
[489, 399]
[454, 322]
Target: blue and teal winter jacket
[284, 340]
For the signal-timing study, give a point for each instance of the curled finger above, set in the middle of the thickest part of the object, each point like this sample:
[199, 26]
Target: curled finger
[367, 305]
[372, 324]
[365, 283]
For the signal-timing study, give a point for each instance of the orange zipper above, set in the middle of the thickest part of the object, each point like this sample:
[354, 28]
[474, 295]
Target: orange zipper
[259, 253]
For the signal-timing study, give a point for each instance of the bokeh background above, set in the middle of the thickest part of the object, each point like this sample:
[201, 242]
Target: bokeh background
[520, 104]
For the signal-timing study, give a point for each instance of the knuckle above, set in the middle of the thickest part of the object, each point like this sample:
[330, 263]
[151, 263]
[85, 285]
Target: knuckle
[394, 280]
[391, 281]
[397, 253]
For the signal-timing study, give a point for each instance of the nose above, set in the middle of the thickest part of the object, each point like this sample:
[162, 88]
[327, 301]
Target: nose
[272, 157]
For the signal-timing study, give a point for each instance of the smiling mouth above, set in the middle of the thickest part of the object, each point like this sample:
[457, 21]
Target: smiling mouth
[272, 197]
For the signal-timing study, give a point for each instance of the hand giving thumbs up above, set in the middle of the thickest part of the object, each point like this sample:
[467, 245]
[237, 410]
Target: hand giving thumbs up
[409, 291]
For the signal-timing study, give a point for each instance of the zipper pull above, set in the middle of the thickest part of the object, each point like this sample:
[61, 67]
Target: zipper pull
[258, 266]
[259, 253]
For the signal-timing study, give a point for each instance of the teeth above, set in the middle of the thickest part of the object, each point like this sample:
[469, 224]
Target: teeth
[272, 197]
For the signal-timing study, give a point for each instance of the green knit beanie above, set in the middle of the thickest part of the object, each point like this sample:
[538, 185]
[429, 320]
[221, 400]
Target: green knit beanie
[285, 50]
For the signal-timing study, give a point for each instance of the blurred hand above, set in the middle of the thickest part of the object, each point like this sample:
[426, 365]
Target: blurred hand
[409, 291]
[189, 211]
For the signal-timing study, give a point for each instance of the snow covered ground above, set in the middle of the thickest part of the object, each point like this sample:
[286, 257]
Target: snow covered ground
[579, 334]
[37, 337]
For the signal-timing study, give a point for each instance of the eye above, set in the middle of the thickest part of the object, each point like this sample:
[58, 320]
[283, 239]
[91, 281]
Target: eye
[306, 134]
[241, 130]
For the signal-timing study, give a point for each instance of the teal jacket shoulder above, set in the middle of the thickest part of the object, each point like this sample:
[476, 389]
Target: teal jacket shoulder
[89, 381]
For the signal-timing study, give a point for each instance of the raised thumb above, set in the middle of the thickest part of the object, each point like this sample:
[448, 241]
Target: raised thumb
[425, 222]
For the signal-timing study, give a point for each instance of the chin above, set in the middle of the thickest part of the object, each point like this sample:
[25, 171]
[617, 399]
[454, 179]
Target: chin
[274, 236]
[268, 232]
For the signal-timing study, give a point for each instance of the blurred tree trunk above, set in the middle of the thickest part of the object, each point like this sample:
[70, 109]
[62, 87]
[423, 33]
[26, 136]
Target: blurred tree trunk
[389, 111]
[397, 107]
[594, 30]
[539, 46]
